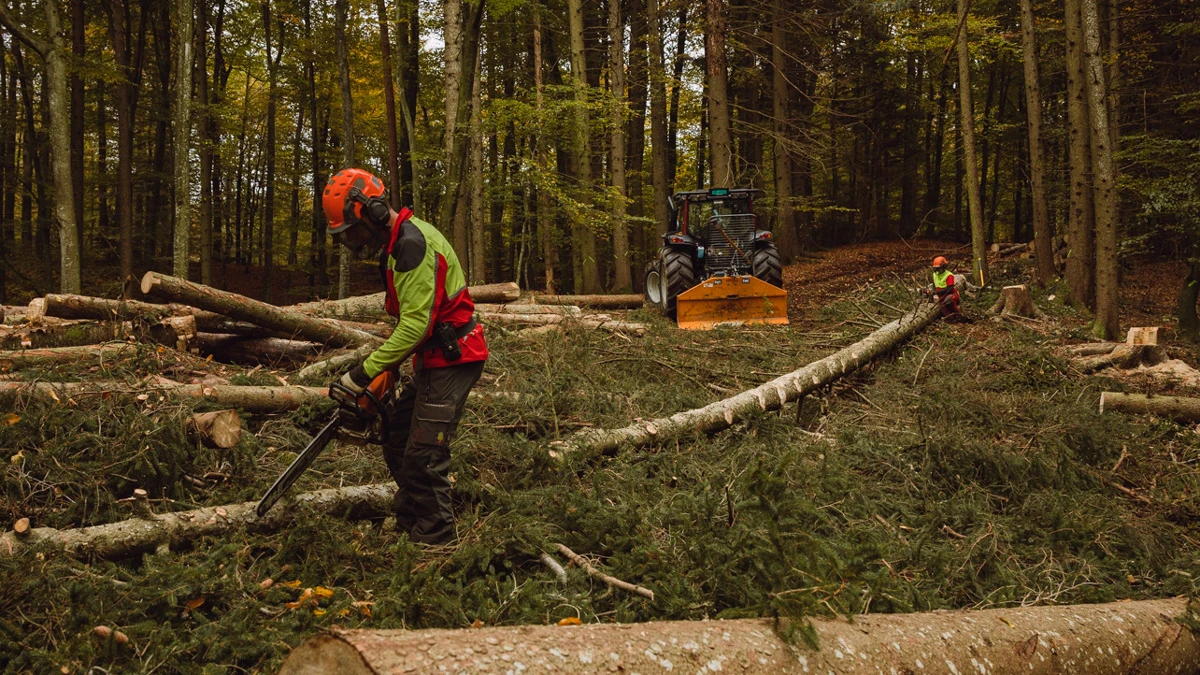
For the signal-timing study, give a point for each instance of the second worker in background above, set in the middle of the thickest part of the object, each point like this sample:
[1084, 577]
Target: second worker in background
[427, 293]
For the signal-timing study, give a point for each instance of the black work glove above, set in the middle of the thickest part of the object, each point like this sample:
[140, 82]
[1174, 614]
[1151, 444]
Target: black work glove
[355, 382]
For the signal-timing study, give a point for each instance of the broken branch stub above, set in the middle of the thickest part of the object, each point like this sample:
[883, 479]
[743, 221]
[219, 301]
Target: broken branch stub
[1108, 639]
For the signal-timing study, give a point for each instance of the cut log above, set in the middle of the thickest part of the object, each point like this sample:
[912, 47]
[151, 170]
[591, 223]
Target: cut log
[252, 399]
[595, 321]
[84, 355]
[1094, 348]
[248, 350]
[217, 429]
[324, 371]
[1108, 639]
[502, 292]
[81, 333]
[103, 309]
[626, 301]
[260, 313]
[21, 527]
[1142, 335]
[372, 306]
[514, 308]
[1015, 300]
[138, 535]
[769, 396]
[1178, 408]
[1010, 249]
[1124, 356]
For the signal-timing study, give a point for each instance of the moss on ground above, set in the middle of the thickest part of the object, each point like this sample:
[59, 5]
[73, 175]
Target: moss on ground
[969, 470]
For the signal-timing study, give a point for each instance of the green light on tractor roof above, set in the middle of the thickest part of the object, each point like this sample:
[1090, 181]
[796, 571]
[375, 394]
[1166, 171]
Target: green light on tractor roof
[718, 192]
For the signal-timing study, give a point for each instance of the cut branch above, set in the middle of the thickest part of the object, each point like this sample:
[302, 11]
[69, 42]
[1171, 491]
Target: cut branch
[239, 307]
[1109, 639]
[597, 574]
[769, 396]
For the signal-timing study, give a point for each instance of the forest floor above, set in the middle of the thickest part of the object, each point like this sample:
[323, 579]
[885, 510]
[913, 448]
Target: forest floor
[968, 469]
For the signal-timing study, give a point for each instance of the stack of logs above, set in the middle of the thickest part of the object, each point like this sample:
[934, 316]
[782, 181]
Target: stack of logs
[182, 315]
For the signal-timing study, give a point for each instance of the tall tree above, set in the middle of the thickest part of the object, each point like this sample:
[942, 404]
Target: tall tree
[53, 50]
[785, 229]
[720, 141]
[206, 146]
[967, 115]
[268, 230]
[183, 135]
[389, 99]
[78, 52]
[452, 74]
[349, 156]
[658, 119]
[622, 279]
[1042, 231]
[317, 271]
[478, 224]
[584, 238]
[467, 35]
[1081, 257]
[1107, 323]
[545, 220]
[128, 56]
[408, 38]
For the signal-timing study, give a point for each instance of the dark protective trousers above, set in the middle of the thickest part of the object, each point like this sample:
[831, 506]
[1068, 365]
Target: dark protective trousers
[424, 416]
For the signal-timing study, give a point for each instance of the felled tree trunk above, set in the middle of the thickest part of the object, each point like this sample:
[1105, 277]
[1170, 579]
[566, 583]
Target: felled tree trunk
[323, 371]
[1179, 408]
[247, 350]
[1015, 300]
[597, 321]
[247, 309]
[137, 535]
[502, 292]
[514, 308]
[173, 332]
[769, 396]
[1124, 356]
[81, 355]
[1108, 639]
[66, 306]
[252, 399]
[372, 306]
[217, 429]
[626, 301]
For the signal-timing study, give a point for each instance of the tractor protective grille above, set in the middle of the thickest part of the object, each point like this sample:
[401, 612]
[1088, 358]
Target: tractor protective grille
[729, 242]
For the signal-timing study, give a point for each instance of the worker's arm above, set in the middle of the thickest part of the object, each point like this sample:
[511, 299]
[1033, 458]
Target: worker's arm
[416, 288]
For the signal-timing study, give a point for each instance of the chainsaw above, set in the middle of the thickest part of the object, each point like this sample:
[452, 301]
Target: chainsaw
[359, 419]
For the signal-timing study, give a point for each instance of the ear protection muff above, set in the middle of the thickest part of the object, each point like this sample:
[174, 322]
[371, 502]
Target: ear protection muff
[374, 209]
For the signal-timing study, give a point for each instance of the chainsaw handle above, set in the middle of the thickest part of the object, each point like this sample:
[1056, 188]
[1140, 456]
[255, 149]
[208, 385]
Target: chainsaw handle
[371, 398]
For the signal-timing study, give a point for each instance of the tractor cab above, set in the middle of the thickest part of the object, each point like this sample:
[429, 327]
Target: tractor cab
[715, 265]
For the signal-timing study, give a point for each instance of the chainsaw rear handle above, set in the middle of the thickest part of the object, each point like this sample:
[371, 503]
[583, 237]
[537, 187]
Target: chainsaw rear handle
[370, 402]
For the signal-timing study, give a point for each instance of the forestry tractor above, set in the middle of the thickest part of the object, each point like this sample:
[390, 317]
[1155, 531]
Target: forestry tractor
[715, 266]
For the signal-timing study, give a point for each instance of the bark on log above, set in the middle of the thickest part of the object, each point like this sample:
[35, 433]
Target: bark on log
[81, 355]
[248, 350]
[769, 396]
[217, 429]
[1178, 408]
[1094, 348]
[596, 321]
[1015, 300]
[65, 306]
[247, 309]
[252, 399]
[137, 535]
[323, 371]
[514, 308]
[82, 333]
[625, 301]
[1005, 251]
[502, 292]
[1108, 639]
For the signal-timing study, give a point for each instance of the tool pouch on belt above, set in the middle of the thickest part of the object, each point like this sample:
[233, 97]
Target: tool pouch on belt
[446, 336]
[434, 423]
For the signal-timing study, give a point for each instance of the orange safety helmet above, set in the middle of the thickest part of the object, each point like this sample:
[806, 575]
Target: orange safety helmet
[939, 262]
[344, 210]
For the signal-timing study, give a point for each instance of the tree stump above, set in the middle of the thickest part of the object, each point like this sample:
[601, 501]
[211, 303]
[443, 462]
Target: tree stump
[21, 527]
[1015, 300]
[1142, 335]
[218, 429]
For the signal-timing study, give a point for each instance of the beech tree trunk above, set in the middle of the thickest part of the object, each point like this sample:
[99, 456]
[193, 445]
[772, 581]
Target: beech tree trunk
[1081, 258]
[720, 142]
[1107, 323]
[622, 279]
[128, 538]
[345, 255]
[970, 167]
[1178, 408]
[784, 229]
[268, 226]
[583, 239]
[104, 309]
[182, 124]
[239, 307]
[545, 219]
[252, 399]
[1117, 638]
[79, 356]
[1042, 230]
[658, 125]
[389, 102]
[769, 396]
[172, 332]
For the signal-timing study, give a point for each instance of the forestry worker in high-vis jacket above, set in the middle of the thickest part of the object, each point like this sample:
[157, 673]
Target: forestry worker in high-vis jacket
[426, 291]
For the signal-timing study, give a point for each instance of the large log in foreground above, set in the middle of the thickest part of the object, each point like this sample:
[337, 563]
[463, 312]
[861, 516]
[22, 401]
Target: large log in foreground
[1179, 408]
[1109, 639]
[239, 307]
[131, 537]
[769, 396]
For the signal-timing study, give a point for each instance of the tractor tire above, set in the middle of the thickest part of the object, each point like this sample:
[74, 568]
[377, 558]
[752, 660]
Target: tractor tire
[766, 266]
[678, 275]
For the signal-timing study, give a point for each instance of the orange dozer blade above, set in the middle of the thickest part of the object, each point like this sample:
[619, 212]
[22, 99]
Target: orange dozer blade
[731, 300]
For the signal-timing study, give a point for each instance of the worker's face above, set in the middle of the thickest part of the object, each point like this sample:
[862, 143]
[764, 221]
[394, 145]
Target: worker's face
[359, 238]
